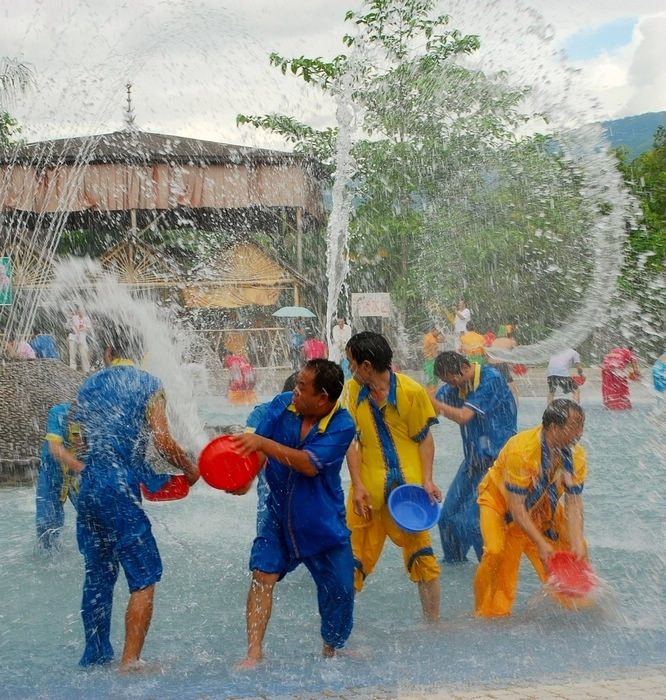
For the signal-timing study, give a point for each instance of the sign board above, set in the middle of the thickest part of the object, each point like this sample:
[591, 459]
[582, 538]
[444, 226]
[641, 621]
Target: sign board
[371, 304]
[5, 281]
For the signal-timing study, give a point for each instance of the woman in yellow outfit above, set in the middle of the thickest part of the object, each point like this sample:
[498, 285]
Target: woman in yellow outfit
[521, 507]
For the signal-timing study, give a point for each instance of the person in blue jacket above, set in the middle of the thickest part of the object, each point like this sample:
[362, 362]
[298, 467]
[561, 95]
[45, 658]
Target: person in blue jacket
[251, 423]
[478, 398]
[44, 346]
[304, 435]
[58, 477]
[119, 408]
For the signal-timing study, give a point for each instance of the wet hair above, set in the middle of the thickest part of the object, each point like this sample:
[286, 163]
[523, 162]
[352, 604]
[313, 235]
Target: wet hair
[328, 377]
[372, 347]
[123, 340]
[470, 326]
[557, 412]
[449, 362]
[290, 382]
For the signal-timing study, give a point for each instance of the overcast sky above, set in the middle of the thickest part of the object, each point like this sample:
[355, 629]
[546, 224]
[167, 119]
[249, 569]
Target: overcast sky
[195, 64]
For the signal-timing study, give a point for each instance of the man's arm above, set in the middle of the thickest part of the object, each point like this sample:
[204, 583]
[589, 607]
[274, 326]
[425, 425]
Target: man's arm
[516, 503]
[64, 456]
[573, 505]
[164, 442]
[460, 415]
[427, 456]
[295, 459]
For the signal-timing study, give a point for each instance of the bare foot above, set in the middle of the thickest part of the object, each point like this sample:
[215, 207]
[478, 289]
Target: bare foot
[327, 651]
[248, 663]
[139, 666]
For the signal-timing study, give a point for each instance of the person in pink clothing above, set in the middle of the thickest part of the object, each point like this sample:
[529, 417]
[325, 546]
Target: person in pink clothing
[313, 348]
[242, 374]
[614, 384]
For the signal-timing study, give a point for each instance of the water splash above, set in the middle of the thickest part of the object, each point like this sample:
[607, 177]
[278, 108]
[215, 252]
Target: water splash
[167, 344]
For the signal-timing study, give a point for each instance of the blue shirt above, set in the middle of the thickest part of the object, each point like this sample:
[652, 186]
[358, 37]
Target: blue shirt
[57, 430]
[44, 346]
[113, 409]
[310, 509]
[495, 416]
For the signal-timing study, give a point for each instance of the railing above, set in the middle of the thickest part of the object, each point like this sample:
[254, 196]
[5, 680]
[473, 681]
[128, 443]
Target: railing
[263, 347]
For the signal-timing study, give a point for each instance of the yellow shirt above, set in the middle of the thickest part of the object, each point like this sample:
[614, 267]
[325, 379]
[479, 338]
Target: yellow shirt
[430, 346]
[472, 344]
[518, 469]
[389, 435]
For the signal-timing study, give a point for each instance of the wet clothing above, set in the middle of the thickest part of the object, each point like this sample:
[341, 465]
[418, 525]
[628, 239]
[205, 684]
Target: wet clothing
[304, 520]
[473, 346]
[483, 436]
[522, 467]
[45, 346]
[242, 373]
[112, 528]
[55, 482]
[389, 437]
[430, 350]
[659, 375]
[614, 384]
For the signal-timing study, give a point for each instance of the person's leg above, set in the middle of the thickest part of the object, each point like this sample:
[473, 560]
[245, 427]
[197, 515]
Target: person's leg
[367, 541]
[72, 345]
[452, 546]
[101, 573]
[420, 563]
[257, 613]
[430, 596]
[137, 621]
[49, 512]
[493, 531]
[333, 574]
[140, 558]
[85, 357]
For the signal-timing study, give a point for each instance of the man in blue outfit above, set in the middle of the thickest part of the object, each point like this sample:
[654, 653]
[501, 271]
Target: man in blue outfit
[58, 475]
[119, 407]
[44, 346]
[304, 435]
[478, 398]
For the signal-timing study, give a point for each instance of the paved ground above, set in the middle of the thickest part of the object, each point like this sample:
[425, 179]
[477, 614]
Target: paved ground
[637, 684]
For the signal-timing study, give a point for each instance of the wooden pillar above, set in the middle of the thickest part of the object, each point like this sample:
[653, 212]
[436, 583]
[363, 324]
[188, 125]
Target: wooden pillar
[299, 239]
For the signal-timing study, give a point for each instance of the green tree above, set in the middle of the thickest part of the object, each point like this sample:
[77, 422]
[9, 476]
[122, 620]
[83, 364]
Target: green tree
[15, 78]
[643, 282]
[447, 200]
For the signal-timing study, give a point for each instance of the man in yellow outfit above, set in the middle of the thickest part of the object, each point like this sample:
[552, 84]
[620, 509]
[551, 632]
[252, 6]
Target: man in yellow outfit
[521, 510]
[394, 446]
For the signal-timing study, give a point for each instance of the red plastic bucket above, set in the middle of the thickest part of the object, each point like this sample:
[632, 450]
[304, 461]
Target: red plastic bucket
[222, 467]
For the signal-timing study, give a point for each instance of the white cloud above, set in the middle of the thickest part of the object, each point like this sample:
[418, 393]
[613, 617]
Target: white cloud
[195, 64]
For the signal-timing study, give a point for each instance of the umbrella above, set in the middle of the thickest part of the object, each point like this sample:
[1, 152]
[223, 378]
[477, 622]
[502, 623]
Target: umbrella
[294, 312]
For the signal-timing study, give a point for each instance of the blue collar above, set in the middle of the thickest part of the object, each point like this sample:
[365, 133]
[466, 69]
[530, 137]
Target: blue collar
[392, 394]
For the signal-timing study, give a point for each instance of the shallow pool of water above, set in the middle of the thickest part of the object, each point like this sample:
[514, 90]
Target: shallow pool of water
[198, 630]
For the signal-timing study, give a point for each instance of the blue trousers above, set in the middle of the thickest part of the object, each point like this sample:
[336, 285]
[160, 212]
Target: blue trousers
[459, 527]
[49, 509]
[332, 571]
[112, 531]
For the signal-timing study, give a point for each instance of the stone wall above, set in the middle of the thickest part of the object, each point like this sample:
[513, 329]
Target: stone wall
[29, 388]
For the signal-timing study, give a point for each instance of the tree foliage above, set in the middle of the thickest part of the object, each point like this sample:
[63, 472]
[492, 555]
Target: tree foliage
[643, 281]
[447, 200]
[15, 78]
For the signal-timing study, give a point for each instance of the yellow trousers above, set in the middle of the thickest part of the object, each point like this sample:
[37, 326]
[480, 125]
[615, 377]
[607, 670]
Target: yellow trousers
[496, 579]
[367, 541]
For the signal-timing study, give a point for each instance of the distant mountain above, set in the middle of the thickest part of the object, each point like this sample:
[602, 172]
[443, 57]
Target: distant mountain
[636, 133]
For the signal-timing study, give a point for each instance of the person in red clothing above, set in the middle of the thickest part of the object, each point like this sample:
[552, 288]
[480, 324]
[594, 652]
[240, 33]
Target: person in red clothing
[614, 384]
[313, 348]
[242, 373]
